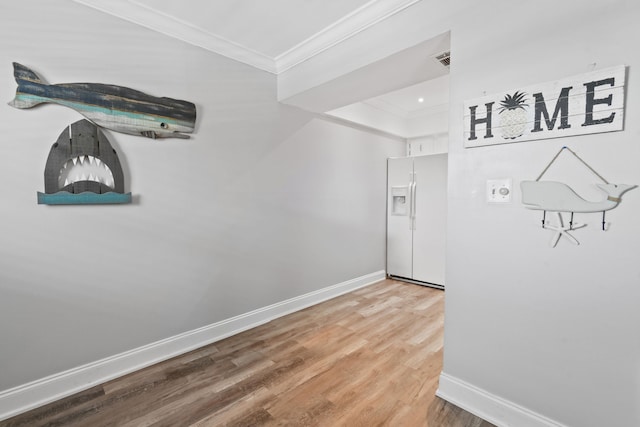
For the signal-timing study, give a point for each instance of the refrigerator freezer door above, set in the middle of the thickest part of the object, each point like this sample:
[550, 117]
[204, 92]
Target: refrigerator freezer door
[429, 236]
[399, 233]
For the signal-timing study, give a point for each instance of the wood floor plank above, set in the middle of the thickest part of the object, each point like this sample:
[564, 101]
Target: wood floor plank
[368, 358]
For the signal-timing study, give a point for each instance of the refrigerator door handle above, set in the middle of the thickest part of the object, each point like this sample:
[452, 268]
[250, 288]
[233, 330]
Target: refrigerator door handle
[410, 213]
[413, 202]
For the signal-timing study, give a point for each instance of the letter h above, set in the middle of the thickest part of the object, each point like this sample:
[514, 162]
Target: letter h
[486, 120]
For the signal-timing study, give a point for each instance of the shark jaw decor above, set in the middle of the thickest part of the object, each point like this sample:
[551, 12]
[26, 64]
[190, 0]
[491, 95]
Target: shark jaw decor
[112, 107]
[558, 197]
[83, 168]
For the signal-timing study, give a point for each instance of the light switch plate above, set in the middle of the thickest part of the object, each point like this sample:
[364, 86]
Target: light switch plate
[499, 190]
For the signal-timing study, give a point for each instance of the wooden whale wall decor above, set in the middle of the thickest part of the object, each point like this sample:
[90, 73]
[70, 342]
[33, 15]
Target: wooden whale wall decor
[112, 107]
[558, 197]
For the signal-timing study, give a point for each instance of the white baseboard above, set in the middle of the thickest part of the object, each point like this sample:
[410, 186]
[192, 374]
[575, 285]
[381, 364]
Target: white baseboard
[489, 407]
[40, 392]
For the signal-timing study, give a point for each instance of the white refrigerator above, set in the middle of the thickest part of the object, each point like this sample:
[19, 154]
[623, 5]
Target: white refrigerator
[416, 219]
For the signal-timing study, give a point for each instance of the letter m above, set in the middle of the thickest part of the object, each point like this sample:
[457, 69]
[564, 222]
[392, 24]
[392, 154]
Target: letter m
[562, 108]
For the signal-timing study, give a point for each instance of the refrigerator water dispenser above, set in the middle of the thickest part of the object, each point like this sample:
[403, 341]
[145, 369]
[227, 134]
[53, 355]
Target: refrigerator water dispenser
[399, 198]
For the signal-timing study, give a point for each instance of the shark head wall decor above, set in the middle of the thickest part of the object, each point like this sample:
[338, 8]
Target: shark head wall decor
[83, 168]
[112, 107]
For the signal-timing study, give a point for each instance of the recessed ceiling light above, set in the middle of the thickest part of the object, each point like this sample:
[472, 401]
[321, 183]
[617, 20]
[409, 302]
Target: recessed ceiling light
[420, 99]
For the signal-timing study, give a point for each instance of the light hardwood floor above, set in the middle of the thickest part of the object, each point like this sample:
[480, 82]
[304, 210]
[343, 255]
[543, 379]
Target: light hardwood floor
[368, 358]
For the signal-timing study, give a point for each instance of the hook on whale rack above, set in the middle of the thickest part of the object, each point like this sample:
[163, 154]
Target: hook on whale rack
[559, 197]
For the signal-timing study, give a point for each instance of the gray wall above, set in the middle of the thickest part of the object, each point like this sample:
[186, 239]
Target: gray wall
[263, 204]
[552, 330]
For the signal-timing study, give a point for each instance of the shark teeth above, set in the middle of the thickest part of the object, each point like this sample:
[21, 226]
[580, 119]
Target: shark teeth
[85, 168]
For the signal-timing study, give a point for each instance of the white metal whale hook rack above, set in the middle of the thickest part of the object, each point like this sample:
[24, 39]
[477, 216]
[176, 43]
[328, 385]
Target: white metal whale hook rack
[558, 197]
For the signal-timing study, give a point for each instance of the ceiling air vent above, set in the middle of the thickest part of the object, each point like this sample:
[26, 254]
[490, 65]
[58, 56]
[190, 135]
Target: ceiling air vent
[444, 58]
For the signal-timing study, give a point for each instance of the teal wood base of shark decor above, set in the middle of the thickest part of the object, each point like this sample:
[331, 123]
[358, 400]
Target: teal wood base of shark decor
[86, 198]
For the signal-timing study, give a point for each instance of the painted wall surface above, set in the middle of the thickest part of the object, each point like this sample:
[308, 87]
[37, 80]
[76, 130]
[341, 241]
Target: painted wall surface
[552, 330]
[263, 204]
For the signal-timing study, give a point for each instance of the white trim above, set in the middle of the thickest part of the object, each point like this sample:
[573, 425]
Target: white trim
[40, 392]
[171, 26]
[494, 409]
[359, 20]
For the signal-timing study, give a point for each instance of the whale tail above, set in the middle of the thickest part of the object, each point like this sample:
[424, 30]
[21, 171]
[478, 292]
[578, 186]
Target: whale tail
[26, 80]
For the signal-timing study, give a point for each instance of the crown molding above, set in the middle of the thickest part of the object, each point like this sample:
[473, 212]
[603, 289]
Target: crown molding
[139, 14]
[359, 20]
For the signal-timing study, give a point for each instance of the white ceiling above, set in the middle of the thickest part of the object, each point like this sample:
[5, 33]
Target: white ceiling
[275, 35]
[411, 112]
[270, 27]
[421, 98]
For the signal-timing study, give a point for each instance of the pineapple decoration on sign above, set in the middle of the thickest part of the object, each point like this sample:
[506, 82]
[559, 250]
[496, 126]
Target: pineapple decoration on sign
[513, 115]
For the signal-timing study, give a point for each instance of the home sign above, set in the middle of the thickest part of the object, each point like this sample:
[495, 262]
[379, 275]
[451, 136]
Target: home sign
[579, 105]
